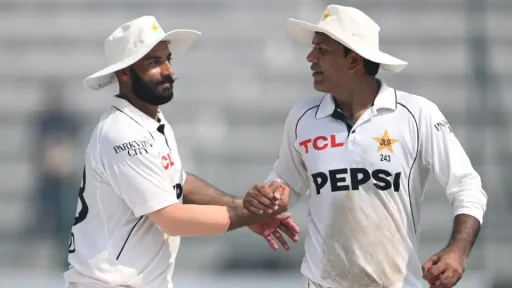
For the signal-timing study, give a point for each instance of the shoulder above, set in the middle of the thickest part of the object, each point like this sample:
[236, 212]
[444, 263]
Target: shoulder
[419, 106]
[309, 105]
[116, 133]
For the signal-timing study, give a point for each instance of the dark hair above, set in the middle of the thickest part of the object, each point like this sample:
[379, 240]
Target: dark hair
[370, 68]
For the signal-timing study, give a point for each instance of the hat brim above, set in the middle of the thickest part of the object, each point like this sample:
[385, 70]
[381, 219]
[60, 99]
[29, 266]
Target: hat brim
[179, 42]
[304, 32]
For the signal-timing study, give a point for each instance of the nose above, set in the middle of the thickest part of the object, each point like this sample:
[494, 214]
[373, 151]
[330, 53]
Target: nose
[312, 56]
[167, 69]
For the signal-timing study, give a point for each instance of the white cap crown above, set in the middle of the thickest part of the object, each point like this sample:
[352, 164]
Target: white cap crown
[130, 37]
[353, 23]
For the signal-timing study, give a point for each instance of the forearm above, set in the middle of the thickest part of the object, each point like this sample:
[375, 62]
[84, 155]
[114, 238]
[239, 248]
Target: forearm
[202, 220]
[465, 231]
[191, 220]
[198, 191]
[240, 217]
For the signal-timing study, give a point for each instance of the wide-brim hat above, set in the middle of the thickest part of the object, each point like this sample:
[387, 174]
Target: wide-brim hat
[350, 27]
[132, 41]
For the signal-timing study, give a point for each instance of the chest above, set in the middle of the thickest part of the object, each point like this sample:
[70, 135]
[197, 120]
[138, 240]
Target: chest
[376, 146]
[168, 156]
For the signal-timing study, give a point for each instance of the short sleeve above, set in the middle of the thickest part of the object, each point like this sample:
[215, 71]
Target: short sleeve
[134, 168]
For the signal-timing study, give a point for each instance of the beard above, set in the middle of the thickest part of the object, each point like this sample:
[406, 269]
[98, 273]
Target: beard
[149, 92]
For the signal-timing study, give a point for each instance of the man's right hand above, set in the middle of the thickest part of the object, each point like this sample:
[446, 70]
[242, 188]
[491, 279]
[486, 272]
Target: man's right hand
[267, 199]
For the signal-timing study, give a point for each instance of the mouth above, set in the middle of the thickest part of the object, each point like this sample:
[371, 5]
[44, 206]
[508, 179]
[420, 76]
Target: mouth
[165, 85]
[317, 74]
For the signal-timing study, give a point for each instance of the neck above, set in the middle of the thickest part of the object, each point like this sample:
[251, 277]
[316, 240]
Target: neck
[150, 110]
[358, 98]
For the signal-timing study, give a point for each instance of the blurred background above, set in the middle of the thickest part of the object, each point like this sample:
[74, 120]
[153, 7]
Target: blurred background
[235, 88]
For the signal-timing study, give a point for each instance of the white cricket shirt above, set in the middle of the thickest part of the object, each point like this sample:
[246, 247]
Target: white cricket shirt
[132, 168]
[366, 184]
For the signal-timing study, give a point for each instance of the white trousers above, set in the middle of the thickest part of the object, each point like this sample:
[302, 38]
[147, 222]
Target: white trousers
[306, 283]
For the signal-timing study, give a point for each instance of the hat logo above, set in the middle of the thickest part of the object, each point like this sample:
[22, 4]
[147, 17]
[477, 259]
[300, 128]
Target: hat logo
[155, 27]
[326, 14]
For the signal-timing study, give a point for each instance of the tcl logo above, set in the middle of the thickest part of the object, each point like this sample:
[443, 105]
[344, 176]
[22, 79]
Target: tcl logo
[167, 161]
[320, 143]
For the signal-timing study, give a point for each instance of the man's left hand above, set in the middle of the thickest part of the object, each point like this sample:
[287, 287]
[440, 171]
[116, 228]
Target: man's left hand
[272, 227]
[444, 269]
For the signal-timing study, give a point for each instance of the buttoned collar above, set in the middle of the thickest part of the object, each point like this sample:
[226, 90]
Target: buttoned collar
[138, 116]
[386, 98]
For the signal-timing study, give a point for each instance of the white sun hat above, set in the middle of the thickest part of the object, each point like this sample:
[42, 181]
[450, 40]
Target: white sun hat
[352, 28]
[131, 41]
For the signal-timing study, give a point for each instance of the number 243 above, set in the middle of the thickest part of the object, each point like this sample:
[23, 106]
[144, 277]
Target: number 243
[385, 158]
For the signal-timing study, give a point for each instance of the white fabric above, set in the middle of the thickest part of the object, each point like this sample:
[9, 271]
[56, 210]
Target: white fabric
[130, 171]
[352, 28]
[131, 41]
[364, 217]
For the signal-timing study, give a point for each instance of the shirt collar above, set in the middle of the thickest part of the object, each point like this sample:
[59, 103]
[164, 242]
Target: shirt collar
[138, 116]
[386, 98]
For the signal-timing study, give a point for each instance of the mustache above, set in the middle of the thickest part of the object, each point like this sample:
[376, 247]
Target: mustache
[167, 79]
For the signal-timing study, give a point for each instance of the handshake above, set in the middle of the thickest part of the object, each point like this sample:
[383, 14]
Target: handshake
[267, 199]
[270, 201]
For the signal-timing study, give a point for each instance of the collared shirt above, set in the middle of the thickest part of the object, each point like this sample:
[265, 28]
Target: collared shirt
[132, 168]
[366, 185]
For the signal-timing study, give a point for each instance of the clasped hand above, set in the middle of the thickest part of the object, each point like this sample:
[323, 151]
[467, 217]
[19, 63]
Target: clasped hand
[272, 200]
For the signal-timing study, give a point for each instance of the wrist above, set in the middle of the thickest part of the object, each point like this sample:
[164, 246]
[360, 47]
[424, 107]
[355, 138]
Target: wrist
[240, 217]
[458, 248]
[236, 203]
